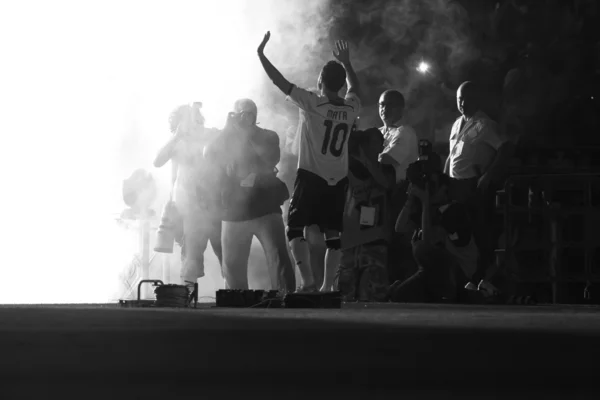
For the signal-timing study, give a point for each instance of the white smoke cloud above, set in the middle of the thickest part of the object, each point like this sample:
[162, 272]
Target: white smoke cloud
[86, 98]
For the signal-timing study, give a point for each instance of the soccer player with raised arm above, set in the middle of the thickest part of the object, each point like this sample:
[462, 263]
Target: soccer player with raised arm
[321, 180]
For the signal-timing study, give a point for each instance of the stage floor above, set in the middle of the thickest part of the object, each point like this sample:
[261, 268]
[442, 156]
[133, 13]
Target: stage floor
[379, 351]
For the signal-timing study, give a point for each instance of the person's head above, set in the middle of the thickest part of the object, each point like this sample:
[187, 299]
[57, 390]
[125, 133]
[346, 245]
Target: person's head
[247, 111]
[468, 98]
[332, 77]
[391, 107]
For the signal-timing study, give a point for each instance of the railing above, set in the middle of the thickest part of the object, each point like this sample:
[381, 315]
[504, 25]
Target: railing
[551, 234]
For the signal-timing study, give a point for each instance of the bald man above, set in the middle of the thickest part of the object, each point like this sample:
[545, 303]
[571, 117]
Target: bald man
[400, 144]
[477, 158]
[252, 197]
[400, 149]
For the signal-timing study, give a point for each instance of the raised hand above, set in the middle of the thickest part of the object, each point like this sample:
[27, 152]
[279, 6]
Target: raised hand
[341, 51]
[261, 48]
[416, 191]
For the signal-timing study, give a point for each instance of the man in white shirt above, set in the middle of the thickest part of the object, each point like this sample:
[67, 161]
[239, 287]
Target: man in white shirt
[400, 143]
[477, 158]
[400, 149]
[321, 180]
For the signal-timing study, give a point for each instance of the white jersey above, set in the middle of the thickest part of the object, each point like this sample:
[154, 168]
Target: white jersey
[324, 130]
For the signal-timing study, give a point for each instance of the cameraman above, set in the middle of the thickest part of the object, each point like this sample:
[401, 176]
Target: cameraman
[197, 224]
[251, 196]
[443, 244]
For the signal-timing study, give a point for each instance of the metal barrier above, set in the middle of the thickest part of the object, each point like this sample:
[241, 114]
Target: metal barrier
[552, 220]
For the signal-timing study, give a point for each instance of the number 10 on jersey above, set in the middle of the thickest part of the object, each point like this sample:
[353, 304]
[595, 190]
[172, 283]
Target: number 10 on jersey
[332, 135]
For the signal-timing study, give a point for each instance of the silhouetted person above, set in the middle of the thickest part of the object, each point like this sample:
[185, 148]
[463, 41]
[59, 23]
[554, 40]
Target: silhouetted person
[477, 159]
[198, 217]
[251, 197]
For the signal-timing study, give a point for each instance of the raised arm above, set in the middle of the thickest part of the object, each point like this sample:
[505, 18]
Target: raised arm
[283, 84]
[167, 152]
[403, 222]
[343, 56]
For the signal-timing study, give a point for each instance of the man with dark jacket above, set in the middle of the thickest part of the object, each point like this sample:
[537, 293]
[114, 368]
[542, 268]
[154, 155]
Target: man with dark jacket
[251, 196]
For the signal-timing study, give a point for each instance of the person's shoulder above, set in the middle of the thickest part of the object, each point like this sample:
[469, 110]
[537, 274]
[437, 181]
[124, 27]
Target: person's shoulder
[353, 100]
[266, 134]
[351, 96]
[407, 130]
[483, 121]
[211, 133]
[457, 122]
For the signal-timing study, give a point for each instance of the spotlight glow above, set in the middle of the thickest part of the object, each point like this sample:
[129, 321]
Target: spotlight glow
[423, 67]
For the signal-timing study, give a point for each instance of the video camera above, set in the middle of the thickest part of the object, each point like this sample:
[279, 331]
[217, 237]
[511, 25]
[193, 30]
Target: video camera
[419, 172]
[234, 118]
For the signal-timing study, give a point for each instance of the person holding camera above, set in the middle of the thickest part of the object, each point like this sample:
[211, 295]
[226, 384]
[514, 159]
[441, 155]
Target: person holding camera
[443, 244]
[362, 273]
[478, 154]
[251, 197]
[197, 221]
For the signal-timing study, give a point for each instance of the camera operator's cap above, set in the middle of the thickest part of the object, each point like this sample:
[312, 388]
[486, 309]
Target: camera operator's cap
[245, 106]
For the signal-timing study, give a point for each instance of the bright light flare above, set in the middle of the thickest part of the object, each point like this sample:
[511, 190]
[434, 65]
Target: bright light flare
[423, 67]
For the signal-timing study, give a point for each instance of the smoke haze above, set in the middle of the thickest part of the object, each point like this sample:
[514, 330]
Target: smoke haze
[86, 93]
[87, 88]
[391, 37]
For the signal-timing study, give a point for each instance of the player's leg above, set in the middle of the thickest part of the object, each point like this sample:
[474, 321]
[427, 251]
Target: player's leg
[236, 239]
[333, 257]
[299, 216]
[215, 240]
[195, 241]
[332, 216]
[316, 243]
[270, 232]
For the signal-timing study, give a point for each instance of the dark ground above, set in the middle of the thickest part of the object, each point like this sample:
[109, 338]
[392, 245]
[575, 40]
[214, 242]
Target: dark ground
[383, 351]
